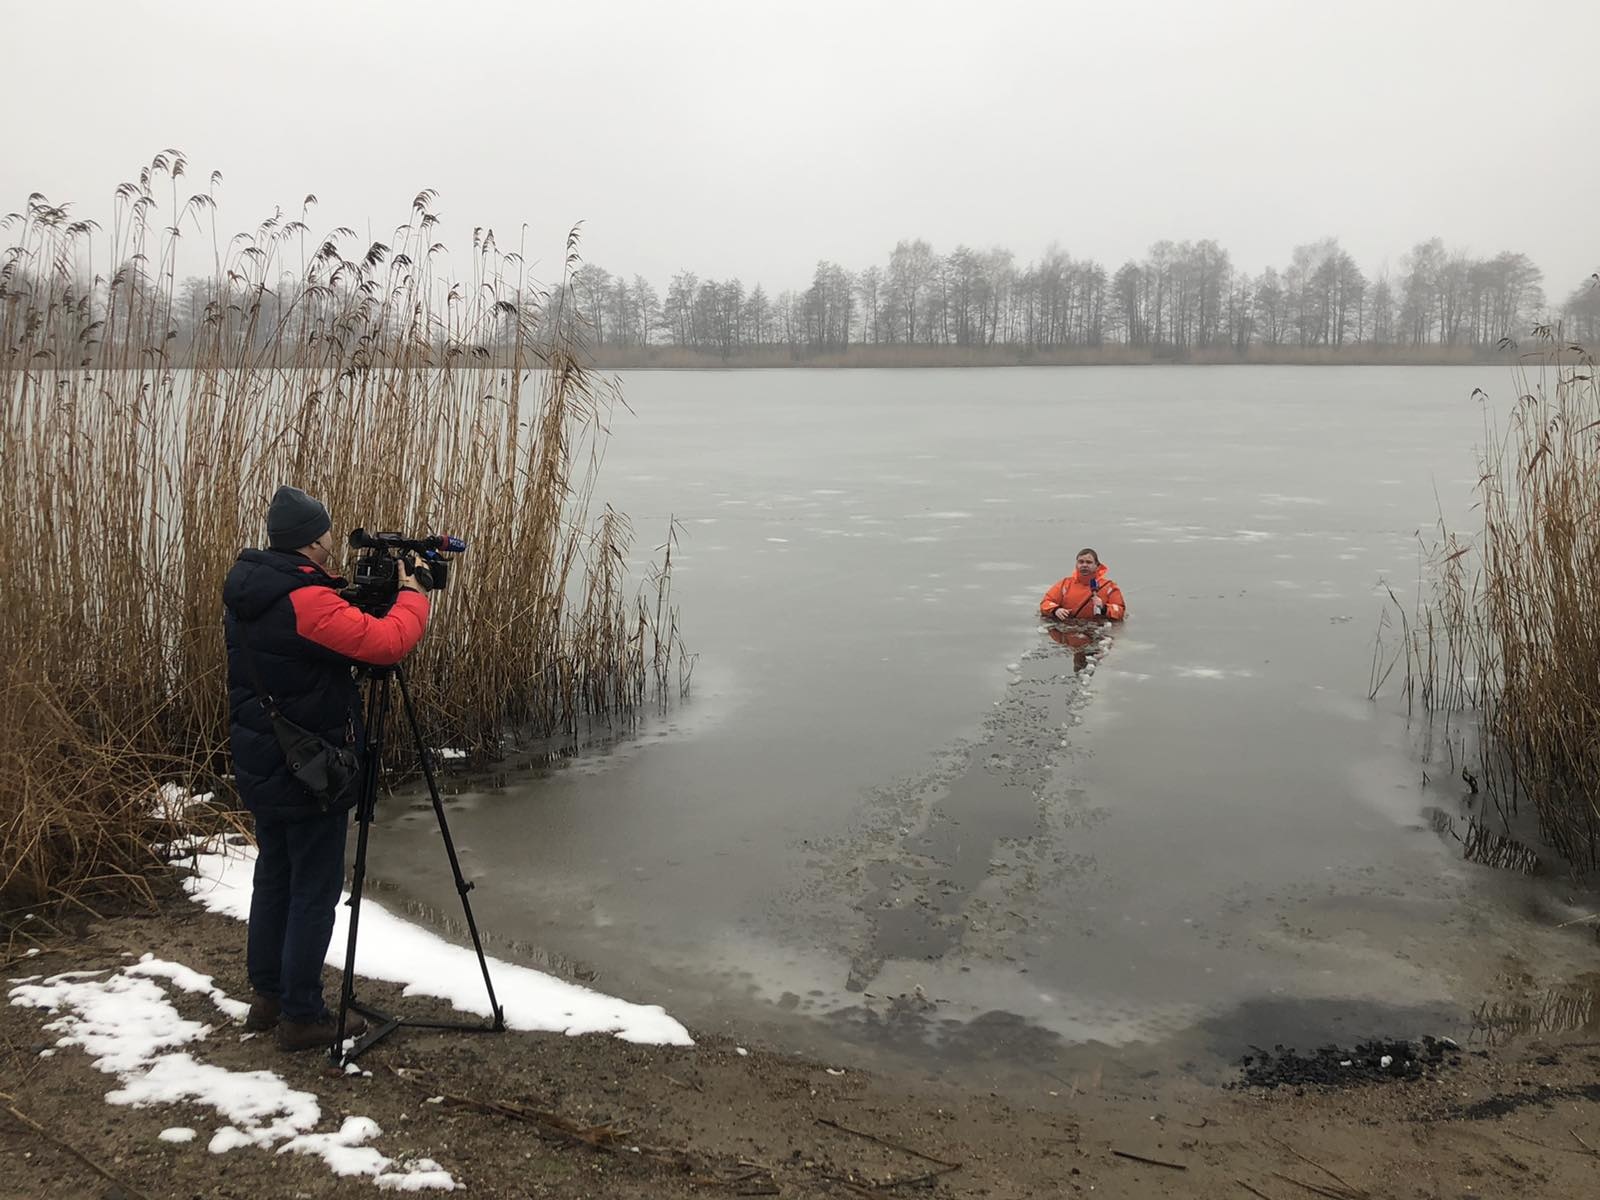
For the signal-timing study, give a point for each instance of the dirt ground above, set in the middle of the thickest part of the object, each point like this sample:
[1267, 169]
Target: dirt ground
[526, 1115]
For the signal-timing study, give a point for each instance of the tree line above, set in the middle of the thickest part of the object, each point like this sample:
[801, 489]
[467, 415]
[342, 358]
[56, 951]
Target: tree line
[1182, 296]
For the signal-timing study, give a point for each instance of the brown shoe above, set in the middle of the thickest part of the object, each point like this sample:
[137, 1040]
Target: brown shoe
[263, 1014]
[295, 1036]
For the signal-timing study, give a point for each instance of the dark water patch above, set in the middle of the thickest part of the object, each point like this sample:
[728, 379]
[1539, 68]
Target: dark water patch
[911, 1025]
[1321, 1021]
[924, 890]
[449, 923]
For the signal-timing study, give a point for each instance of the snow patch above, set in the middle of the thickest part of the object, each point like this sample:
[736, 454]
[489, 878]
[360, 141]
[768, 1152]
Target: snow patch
[127, 1024]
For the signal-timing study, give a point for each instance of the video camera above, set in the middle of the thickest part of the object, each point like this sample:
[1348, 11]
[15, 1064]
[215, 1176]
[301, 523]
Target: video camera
[375, 580]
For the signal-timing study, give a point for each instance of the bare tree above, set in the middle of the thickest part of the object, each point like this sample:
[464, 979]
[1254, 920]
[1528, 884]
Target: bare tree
[1383, 332]
[1271, 308]
[1581, 313]
[912, 268]
[758, 318]
[869, 288]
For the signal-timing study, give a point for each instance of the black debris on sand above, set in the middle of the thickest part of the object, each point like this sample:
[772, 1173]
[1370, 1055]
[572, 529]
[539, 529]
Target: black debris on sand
[1377, 1061]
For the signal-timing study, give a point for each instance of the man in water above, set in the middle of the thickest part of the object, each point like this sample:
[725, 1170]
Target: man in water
[1087, 594]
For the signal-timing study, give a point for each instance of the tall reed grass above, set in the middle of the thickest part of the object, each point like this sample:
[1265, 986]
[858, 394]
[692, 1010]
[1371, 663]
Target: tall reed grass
[1507, 633]
[145, 430]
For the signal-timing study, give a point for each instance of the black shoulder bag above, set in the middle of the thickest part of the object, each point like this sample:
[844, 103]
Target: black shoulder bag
[331, 773]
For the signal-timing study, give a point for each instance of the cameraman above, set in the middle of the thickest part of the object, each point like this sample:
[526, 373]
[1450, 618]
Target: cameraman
[291, 634]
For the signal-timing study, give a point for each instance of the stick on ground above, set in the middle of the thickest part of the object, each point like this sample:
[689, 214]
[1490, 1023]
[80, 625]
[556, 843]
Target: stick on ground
[1154, 1162]
[1349, 1187]
[39, 1129]
[872, 1137]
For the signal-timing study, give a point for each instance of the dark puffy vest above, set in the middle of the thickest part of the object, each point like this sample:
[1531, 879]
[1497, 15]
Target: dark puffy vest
[312, 685]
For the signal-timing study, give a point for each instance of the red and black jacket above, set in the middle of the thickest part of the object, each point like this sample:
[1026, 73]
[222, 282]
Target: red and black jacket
[304, 638]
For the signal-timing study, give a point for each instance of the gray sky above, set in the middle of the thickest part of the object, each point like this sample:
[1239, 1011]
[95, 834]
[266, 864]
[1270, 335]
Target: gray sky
[753, 138]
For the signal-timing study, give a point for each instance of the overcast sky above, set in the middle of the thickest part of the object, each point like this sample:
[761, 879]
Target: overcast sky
[751, 139]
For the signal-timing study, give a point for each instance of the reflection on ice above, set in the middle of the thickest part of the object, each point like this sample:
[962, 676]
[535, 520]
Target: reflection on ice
[1279, 498]
[1214, 673]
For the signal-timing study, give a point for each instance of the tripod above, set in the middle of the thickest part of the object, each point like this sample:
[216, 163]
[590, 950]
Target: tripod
[381, 1023]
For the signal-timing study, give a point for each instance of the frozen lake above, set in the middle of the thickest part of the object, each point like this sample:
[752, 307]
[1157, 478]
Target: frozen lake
[894, 819]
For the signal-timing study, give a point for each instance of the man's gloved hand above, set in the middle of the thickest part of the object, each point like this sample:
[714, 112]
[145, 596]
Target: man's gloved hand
[1099, 604]
[415, 575]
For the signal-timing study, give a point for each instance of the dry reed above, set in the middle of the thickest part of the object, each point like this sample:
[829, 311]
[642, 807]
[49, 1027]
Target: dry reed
[145, 430]
[1507, 632]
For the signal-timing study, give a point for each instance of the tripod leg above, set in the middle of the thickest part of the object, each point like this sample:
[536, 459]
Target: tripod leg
[462, 886]
[372, 760]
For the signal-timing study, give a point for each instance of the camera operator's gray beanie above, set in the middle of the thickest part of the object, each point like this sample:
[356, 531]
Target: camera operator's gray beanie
[294, 519]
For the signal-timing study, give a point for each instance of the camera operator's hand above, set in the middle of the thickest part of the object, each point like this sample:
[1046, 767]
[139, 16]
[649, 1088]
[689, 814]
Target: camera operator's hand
[415, 575]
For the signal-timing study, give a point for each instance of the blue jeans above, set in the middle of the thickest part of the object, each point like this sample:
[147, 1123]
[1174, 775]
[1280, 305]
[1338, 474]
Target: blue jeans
[299, 875]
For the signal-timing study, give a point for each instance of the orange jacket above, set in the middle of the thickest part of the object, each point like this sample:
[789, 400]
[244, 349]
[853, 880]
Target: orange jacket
[1078, 597]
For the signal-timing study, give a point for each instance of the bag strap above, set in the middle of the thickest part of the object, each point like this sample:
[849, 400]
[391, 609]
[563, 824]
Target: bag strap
[262, 694]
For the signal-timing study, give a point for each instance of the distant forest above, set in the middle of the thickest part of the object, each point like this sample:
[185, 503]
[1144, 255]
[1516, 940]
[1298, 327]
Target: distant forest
[1184, 300]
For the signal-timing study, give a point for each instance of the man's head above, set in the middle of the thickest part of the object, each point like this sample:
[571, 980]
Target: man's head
[1088, 563]
[295, 521]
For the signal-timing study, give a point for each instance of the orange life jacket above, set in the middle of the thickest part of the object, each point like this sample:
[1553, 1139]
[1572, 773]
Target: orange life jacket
[1079, 598]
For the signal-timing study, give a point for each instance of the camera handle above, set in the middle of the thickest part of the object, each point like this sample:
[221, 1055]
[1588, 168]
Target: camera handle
[382, 1023]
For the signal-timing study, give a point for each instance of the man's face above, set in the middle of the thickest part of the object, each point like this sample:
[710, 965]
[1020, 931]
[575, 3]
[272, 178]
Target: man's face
[1087, 566]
